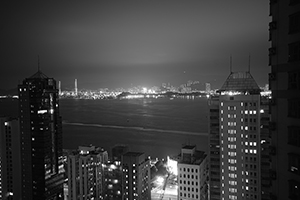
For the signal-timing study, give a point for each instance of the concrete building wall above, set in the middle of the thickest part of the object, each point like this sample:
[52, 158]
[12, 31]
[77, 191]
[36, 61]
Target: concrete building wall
[284, 81]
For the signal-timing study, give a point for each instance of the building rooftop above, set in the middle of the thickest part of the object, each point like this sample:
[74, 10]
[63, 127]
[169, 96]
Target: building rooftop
[38, 75]
[240, 82]
[193, 159]
[189, 146]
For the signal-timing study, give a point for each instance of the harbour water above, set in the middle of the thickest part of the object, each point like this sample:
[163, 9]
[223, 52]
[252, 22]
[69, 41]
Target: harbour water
[158, 127]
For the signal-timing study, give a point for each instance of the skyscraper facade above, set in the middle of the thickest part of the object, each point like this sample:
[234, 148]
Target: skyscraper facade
[136, 176]
[238, 105]
[10, 169]
[284, 82]
[41, 138]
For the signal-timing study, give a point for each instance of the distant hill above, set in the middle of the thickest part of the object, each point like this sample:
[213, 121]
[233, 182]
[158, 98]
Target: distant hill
[10, 92]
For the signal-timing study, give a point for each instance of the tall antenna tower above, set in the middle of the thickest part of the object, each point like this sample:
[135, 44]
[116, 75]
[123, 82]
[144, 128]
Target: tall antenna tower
[76, 91]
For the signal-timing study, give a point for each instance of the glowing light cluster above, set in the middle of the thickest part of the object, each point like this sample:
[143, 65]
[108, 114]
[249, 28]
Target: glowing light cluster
[172, 166]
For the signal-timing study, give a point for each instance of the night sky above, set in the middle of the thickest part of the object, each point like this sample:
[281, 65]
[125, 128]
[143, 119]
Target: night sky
[129, 43]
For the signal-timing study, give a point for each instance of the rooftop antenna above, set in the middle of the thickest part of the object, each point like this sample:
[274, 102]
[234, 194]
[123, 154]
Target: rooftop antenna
[230, 64]
[38, 63]
[249, 63]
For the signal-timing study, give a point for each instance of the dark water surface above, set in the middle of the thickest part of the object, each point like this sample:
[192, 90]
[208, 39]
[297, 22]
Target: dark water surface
[157, 127]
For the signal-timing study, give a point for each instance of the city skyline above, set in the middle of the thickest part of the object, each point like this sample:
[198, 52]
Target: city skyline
[120, 44]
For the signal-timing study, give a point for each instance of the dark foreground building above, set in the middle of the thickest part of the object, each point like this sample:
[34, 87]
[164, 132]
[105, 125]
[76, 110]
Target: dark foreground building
[41, 139]
[284, 79]
[10, 169]
[136, 176]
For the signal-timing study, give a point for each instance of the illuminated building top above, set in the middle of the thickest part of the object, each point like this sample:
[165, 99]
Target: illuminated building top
[38, 75]
[240, 82]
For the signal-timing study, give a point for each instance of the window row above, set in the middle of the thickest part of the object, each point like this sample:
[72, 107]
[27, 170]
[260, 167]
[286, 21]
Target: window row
[188, 182]
[189, 195]
[188, 169]
[188, 189]
[188, 176]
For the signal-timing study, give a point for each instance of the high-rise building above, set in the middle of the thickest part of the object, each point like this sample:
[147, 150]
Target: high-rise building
[85, 173]
[284, 82]
[76, 89]
[10, 169]
[238, 105]
[136, 176]
[41, 138]
[192, 174]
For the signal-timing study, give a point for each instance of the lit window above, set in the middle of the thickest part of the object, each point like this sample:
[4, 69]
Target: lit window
[42, 111]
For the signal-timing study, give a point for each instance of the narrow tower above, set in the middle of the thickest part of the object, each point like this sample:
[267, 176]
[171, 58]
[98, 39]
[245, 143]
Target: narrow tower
[76, 91]
[59, 88]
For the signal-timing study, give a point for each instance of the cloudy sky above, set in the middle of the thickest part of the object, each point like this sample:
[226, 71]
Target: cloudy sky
[129, 43]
